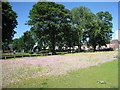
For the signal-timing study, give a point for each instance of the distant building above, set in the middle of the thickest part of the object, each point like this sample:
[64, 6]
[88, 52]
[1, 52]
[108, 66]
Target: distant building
[115, 44]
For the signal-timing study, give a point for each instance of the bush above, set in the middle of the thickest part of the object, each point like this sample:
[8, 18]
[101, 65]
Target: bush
[30, 52]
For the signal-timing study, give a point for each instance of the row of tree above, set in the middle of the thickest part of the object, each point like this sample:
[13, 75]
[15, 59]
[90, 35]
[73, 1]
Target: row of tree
[53, 25]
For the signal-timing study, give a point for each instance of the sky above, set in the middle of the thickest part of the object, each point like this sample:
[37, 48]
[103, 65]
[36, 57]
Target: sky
[22, 9]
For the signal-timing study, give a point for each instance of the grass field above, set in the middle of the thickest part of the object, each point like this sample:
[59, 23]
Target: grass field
[82, 78]
[86, 70]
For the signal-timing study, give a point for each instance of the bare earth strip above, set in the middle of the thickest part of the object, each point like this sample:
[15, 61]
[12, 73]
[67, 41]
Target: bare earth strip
[14, 70]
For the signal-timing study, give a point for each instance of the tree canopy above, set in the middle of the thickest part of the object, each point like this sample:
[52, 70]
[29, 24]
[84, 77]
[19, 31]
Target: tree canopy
[52, 25]
[96, 30]
[9, 22]
[100, 29]
[49, 19]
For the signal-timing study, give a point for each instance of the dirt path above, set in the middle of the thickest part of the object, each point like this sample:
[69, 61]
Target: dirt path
[14, 70]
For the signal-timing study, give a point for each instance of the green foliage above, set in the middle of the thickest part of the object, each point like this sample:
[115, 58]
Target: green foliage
[80, 17]
[18, 44]
[95, 30]
[28, 39]
[26, 42]
[100, 29]
[48, 21]
[105, 29]
[53, 25]
[9, 22]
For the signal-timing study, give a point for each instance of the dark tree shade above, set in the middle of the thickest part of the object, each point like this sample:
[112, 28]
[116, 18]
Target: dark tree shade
[9, 22]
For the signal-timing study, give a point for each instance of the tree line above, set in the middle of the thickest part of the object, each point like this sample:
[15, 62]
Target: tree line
[53, 25]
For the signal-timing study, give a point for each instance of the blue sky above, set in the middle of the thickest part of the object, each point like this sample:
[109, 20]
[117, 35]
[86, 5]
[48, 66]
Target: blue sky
[23, 8]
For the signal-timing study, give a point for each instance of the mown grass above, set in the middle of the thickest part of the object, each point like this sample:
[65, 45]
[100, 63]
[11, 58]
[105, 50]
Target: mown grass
[82, 78]
[11, 54]
[93, 52]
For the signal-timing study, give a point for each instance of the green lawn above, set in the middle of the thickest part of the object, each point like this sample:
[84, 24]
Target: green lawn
[82, 78]
[11, 54]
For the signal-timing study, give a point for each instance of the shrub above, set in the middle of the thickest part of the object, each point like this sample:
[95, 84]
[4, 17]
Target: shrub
[30, 52]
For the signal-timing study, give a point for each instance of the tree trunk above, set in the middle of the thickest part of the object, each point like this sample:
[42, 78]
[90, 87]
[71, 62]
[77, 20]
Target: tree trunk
[53, 51]
[79, 48]
[94, 47]
[60, 48]
[53, 48]
[73, 48]
[53, 42]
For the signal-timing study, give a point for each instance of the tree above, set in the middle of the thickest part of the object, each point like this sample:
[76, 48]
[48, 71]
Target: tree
[93, 32]
[79, 16]
[49, 19]
[28, 40]
[105, 27]
[9, 22]
[100, 29]
[71, 37]
[18, 44]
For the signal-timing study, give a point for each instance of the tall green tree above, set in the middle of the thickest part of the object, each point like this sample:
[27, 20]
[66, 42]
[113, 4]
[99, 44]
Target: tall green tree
[9, 22]
[100, 29]
[105, 28]
[93, 31]
[79, 16]
[50, 18]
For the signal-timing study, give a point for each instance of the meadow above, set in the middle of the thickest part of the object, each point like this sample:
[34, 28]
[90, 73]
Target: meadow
[79, 70]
